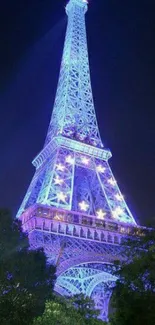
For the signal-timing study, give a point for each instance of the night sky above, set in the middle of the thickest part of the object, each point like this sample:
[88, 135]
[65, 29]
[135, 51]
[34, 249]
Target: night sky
[121, 46]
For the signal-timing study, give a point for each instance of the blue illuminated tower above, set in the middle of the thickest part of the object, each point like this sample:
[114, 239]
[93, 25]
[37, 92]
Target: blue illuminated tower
[73, 206]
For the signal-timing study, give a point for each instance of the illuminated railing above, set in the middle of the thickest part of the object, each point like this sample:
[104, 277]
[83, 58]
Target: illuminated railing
[77, 146]
[79, 225]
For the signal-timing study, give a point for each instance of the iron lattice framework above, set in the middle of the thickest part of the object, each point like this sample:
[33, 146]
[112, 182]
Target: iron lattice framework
[73, 207]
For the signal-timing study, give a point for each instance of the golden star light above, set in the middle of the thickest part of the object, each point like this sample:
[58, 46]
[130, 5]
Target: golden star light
[119, 197]
[112, 181]
[117, 212]
[58, 180]
[69, 159]
[100, 214]
[61, 197]
[60, 167]
[85, 160]
[100, 169]
[83, 206]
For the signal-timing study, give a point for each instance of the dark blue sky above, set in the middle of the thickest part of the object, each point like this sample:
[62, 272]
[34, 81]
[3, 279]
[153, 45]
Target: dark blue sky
[122, 61]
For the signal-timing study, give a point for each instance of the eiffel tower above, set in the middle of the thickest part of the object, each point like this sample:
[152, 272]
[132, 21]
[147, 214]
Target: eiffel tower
[73, 207]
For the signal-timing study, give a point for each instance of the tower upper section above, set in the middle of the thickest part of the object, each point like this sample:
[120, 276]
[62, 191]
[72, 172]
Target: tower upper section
[74, 113]
[81, 3]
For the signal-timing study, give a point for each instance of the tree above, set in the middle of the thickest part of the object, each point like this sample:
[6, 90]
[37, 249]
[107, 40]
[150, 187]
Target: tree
[77, 310]
[26, 280]
[86, 308]
[134, 293]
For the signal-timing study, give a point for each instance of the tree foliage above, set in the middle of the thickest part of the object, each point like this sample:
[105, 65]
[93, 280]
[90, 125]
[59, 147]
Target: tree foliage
[26, 280]
[77, 310]
[134, 293]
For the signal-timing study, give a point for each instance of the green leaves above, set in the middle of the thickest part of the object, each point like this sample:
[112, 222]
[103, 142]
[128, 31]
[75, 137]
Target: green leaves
[77, 310]
[133, 299]
[26, 281]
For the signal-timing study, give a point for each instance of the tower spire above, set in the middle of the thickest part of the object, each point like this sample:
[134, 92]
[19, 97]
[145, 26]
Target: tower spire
[73, 113]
